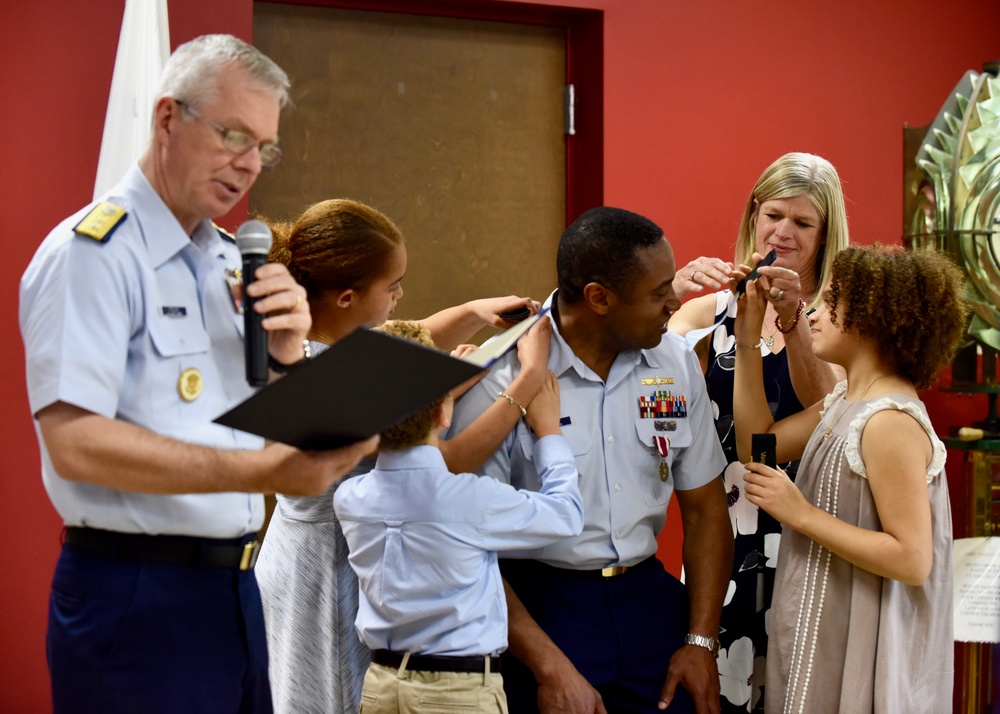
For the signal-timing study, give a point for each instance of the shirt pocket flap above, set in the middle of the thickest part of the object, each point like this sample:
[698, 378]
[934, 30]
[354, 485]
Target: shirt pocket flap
[677, 431]
[576, 436]
[174, 336]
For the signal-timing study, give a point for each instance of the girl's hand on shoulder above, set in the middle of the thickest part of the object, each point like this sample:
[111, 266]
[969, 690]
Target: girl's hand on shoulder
[533, 347]
[543, 411]
[772, 490]
[490, 311]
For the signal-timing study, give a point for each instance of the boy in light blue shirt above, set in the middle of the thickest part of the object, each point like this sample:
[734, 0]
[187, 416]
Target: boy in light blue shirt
[424, 543]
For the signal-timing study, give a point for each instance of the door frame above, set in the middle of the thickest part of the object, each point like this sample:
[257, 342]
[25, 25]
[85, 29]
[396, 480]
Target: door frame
[584, 30]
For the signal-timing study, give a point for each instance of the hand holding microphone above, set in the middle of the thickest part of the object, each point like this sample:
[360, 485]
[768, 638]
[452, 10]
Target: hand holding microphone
[254, 241]
[275, 311]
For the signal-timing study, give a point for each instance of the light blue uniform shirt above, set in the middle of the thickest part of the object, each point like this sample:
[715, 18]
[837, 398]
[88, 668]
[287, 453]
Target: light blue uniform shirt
[624, 499]
[423, 543]
[109, 327]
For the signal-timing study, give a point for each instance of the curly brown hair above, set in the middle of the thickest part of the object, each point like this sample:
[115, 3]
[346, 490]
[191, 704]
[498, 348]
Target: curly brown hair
[336, 245]
[415, 429]
[910, 303]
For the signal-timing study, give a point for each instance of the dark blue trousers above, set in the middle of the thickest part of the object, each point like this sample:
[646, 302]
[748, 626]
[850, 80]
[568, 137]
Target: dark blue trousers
[126, 636]
[619, 632]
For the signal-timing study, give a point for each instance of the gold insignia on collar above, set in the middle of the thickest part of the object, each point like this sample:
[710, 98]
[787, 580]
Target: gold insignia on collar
[657, 381]
[190, 384]
[101, 222]
[224, 233]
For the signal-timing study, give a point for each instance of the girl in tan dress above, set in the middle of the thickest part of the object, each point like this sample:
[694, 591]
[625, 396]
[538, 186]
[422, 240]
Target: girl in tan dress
[861, 619]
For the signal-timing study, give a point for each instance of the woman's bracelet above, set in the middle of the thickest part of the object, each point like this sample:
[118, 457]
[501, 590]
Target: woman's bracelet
[513, 402]
[795, 320]
[279, 368]
[750, 347]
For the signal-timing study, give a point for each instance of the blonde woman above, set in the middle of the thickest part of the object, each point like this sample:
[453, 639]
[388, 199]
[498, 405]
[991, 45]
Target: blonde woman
[796, 209]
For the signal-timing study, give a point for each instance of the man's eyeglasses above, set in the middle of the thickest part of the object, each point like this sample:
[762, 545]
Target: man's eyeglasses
[238, 142]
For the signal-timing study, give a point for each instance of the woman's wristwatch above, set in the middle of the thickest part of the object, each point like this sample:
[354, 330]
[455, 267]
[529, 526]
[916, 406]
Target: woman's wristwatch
[709, 643]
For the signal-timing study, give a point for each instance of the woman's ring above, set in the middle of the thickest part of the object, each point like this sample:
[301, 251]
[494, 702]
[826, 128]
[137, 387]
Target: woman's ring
[781, 294]
[298, 301]
[693, 274]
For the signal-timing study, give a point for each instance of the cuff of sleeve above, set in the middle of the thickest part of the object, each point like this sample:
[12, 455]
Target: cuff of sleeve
[553, 447]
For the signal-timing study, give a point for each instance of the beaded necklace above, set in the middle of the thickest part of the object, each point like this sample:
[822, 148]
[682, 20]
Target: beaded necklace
[813, 596]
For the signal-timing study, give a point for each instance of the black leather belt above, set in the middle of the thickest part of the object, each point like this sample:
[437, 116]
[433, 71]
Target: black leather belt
[436, 663]
[229, 553]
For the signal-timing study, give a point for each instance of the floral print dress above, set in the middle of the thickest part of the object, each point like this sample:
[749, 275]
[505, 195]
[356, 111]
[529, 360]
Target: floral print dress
[742, 634]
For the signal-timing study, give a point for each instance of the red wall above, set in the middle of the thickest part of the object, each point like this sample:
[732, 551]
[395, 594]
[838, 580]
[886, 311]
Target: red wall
[699, 98]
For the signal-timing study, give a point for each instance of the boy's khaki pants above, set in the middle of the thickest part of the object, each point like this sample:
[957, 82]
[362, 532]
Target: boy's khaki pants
[402, 691]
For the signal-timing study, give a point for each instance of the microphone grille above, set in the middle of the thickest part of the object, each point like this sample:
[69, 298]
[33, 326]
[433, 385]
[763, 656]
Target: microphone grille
[253, 237]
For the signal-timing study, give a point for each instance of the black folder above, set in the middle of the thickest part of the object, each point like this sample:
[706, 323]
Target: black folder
[357, 388]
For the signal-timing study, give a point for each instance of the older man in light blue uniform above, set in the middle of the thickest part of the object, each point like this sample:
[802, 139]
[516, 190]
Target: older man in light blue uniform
[130, 313]
[595, 621]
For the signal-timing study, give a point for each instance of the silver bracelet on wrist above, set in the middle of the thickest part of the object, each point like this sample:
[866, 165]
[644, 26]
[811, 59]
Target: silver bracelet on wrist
[514, 402]
[279, 368]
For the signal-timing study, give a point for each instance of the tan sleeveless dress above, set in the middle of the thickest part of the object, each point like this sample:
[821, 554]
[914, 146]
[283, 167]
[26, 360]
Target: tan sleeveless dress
[840, 638]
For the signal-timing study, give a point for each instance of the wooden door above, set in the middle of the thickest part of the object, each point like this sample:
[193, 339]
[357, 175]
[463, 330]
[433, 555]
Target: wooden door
[452, 127]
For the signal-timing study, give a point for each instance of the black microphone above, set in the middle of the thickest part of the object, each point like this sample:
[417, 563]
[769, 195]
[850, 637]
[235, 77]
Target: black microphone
[254, 241]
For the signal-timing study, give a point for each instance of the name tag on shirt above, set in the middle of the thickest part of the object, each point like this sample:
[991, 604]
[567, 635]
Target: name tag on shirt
[172, 311]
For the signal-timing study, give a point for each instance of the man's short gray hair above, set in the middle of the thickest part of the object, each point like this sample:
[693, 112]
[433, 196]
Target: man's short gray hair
[191, 72]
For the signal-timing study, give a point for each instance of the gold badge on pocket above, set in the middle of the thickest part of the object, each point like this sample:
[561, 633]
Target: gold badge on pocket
[190, 384]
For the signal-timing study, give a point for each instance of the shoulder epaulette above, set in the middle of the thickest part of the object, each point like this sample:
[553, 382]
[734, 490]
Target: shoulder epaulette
[226, 235]
[101, 222]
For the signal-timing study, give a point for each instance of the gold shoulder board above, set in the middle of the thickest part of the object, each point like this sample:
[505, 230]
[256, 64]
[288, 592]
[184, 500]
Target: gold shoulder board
[101, 222]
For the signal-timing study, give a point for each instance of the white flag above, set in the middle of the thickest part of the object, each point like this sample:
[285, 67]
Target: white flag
[143, 48]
